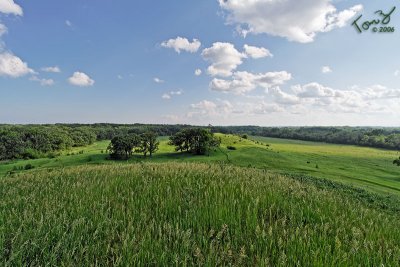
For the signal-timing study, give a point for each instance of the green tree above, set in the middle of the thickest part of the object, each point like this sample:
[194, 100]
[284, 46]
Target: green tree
[198, 141]
[148, 143]
[122, 147]
[397, 161]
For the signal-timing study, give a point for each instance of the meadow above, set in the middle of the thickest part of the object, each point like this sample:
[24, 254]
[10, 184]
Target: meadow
[252, 202]
[362, 167]
[184, 214]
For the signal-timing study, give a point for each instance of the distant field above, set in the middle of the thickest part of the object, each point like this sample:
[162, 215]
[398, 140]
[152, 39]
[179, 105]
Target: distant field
[368, 168]
[186, 214]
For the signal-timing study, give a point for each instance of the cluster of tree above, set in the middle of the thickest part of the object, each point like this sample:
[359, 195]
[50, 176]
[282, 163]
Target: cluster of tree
[198, 141]
[123, 146]
[25, 142]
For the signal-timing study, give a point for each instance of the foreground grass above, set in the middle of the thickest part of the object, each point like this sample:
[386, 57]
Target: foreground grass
[186, 214]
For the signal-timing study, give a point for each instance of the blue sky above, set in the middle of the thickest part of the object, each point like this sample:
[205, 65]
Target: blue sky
[258, 62]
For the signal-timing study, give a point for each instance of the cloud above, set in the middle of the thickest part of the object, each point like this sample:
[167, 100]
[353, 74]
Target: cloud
[396, 73]
[206, 108]
[314, 89]
[166, 96]
[43, 82]
[198, 72]
[182, 44]
[282, 97]
[296, 20]
[68, 23]
[158, 80]
[13, 66]
[368, 100]
[225, 109]
[265, 108]
[256, 52]
[3, 29]
[326, 69]
[54, 69]
[170, 94]
[80, 79]
[243, 81]
[9, 7]
[224, 59]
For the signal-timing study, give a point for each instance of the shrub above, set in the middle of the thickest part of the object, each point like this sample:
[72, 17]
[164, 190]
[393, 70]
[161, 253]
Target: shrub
[29, 166]
[231, 147]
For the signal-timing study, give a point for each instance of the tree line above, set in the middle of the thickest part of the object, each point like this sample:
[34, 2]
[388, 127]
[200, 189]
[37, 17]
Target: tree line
[388, 138]
[30, 142]
[38, 141]
[35, 141]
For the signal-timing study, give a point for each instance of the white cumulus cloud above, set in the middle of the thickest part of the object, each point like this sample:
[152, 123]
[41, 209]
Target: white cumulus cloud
[80, 79]
[243, 81]
[296, 20]
[182, 44]
[256, 52]
[224, 58]
[54, 69]
[9, 7]
[206, 109]
[13, 66]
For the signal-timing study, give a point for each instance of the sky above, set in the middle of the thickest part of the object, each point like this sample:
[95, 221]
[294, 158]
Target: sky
[219, 62]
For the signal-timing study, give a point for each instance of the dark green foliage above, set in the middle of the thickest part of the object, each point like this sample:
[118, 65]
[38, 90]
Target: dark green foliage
[148, 143]
[231, 148]
[245, 136]
[29, 167]
[397, 161]
[388, 138]
[37, 141]
[198, 141]
[121, 147]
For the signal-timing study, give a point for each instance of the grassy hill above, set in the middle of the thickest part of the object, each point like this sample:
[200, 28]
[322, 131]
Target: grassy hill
[367, 168]
[187, 214]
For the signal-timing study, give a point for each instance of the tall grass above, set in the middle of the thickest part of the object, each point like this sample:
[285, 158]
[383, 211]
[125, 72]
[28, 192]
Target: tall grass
[180, 214]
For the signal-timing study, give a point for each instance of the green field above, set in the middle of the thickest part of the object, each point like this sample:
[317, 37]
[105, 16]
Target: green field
[368, 168]
[270, 202]
[185, 214]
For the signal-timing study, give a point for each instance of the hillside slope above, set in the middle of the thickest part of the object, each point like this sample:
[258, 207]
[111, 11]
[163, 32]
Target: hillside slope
[185, 214]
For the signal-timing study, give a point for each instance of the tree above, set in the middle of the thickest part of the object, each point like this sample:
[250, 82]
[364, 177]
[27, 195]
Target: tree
[181, 140]
[198, 141]
[122, 146]
[148, 143]
[397, 161]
